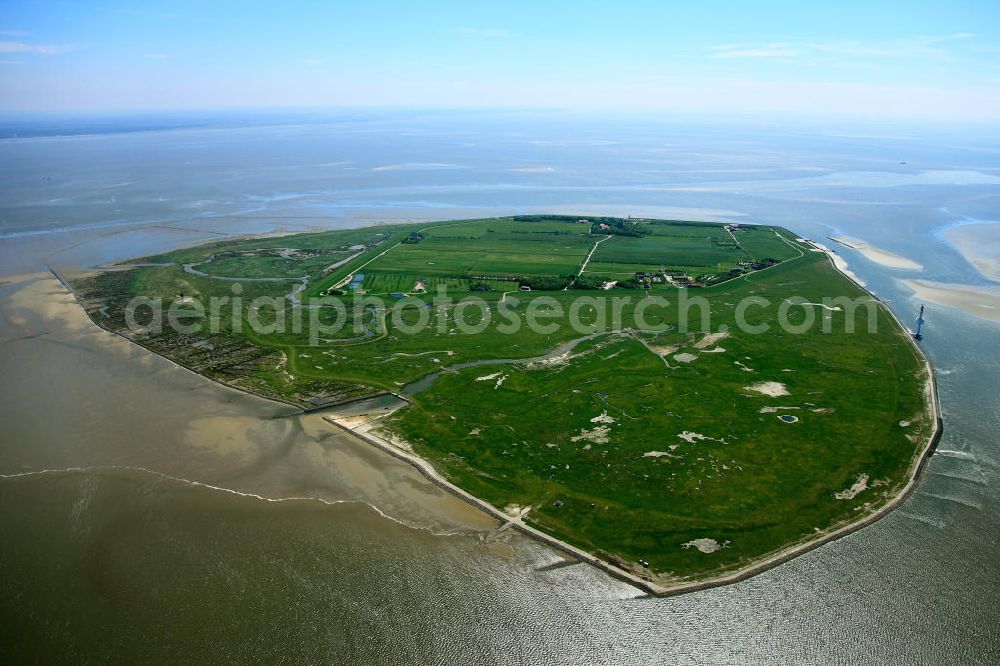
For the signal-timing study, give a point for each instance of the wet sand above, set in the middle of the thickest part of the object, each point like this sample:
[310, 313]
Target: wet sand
[124, 407]
[980, 245]
[106, 567]
[878, 255]
[982, 302]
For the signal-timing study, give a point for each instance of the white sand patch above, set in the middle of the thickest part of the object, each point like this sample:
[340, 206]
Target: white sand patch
[713, 350]
[665, 350]
[691, 437]
[772, 410]
[486, 378]
[772, 389]
[516, 510]
[603, 418]
[859, 485]
[904, 424]
[654, 454]
[561, 359]
[741, 366]
[598, 435]
[982, 302]
[710, 339]
[474, 432]
[685, 357]
[704, 545]
[980, 245]
[819, 305]
[499, 382]
[878, 255]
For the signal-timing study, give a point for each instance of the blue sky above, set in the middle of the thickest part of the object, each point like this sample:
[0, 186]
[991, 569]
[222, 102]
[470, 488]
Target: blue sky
[913, 60]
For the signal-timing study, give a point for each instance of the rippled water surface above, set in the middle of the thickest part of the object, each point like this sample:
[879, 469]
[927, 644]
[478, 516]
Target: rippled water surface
[149, 513]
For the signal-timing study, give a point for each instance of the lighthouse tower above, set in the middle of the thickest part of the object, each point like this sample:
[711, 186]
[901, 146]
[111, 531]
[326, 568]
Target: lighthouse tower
[920, 324]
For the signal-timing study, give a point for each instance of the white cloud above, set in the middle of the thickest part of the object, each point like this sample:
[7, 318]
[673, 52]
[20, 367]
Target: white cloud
[916, 48]
[156, 56]
[11, 62]
[22, 47]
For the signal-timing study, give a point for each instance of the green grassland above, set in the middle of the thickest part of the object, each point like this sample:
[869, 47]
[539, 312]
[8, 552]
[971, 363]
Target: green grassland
[549, 255]
[629, 442]
[376, 282]
[754, 484]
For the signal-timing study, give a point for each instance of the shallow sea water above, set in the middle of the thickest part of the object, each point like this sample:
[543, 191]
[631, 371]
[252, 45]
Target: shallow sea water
[150, 513]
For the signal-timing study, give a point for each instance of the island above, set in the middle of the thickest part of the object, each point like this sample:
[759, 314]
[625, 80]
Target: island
[681, 403]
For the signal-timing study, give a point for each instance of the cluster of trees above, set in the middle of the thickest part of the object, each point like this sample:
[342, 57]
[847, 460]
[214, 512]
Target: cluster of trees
[684, 223]
[621, 228]
[610, 221]
[547, 282]
[631, 283]
[589, 282]
[415, 237]
[544, 218]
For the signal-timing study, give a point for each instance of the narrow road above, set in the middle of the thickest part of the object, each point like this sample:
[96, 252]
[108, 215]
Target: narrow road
[586, 261]
[350, 276]
[740, 245]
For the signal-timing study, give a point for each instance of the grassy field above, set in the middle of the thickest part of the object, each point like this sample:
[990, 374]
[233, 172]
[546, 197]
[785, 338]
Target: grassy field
[493, 248]
[394, 283]
[643, 459]
[641, 445]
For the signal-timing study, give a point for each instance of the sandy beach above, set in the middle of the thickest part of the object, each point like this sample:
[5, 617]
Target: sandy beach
[979, 243]
[982, 302]
[879, 256]
[838, 261]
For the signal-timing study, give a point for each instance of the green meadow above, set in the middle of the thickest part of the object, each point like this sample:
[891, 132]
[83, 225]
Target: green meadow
[680, 437]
